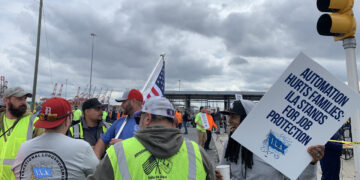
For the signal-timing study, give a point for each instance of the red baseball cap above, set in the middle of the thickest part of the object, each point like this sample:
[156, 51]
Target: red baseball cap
[53, 112]
[131, 94]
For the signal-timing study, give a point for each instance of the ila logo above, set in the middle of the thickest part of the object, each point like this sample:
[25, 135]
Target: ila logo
[276, 145]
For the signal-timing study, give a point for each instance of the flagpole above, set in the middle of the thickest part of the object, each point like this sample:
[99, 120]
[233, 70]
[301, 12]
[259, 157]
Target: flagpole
[162, 57]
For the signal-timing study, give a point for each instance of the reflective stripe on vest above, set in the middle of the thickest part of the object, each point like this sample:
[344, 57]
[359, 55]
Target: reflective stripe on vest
[124, 170]
[77, 131]
[192, 160]
[123, 160]
[107, 125]
[30, 127]
[8, 161]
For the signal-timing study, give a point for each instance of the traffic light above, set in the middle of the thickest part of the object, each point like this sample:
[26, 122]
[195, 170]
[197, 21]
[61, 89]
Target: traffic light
[340, 23]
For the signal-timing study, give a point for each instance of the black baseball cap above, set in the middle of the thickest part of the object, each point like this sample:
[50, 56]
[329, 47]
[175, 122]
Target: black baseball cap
[235, 108]
[91, 103]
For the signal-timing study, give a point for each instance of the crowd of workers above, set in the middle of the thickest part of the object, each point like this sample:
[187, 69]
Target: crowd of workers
[146, 143]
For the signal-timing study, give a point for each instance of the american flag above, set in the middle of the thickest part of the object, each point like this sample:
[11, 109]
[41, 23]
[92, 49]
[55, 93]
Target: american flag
[158, 86]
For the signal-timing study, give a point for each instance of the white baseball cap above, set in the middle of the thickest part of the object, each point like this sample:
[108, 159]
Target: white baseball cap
[159, 106]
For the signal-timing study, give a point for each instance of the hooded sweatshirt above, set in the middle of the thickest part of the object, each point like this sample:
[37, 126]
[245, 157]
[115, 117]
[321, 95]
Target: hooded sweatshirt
[160, 141]
[260, 169]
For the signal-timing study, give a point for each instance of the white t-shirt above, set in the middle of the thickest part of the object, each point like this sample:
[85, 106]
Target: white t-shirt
[54, 156]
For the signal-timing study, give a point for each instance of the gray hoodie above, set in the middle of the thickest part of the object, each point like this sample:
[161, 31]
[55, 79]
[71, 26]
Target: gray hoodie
[160, 141]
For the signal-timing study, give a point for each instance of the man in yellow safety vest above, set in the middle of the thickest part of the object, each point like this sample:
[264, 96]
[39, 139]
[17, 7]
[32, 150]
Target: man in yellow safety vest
[91, 126]
[54, 155]
[158, 150]
[16, 126]
[77, 115]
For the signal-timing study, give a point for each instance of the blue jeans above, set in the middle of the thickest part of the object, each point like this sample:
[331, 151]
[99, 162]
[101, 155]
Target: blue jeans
[184, 124]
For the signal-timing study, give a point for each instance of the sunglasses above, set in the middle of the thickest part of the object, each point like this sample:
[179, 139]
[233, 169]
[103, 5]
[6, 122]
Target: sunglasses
[137, 116]
[52, 117]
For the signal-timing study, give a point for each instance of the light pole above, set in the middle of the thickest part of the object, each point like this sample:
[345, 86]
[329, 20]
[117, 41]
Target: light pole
[349, 45]
[92, 58]
[341, 24]
[36, 58]
[179, 85]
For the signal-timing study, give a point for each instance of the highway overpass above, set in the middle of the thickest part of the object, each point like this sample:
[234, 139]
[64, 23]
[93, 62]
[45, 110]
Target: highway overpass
[206, 97]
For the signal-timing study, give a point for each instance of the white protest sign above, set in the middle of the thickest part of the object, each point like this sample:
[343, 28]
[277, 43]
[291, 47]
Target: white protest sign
[305, 107]
[204, 120]
[238, 96]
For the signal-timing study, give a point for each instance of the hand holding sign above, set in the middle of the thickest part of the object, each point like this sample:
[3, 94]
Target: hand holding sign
[316, 152]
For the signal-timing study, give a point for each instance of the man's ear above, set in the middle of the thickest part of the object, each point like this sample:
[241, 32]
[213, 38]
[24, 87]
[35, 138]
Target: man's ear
[68, 122]
[6, 100]
[174, 124]
[148, 119]
[86, 112]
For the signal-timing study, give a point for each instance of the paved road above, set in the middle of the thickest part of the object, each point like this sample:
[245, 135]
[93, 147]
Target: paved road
[213, 153]
[216, 144]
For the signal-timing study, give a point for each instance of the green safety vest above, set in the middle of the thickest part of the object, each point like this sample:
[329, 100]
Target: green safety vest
[198, 119]
[105, 114]
[130, 160]
[77, 115]
[77, 132]
[22, 132]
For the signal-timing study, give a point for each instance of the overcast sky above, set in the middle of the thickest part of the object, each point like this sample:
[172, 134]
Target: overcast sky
[215, 45]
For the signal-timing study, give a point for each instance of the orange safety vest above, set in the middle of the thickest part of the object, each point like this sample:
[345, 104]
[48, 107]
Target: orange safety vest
[118, 115]
[211, 122]
[178, 117]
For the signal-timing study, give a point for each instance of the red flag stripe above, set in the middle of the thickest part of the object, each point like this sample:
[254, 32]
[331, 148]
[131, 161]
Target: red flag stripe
[153, 90]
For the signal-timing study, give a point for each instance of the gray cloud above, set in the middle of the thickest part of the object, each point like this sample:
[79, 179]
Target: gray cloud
[238, 61]
[197, 38]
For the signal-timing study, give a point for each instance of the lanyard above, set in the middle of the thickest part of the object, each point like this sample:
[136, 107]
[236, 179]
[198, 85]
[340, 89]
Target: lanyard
[8, 130]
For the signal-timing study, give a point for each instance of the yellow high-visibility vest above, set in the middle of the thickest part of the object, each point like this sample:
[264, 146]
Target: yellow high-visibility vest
[105, 114]
[77, 115]
[130, 160]
[8, 149]
[77, 132]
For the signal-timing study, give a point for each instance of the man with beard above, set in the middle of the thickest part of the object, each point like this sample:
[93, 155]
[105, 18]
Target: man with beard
[16, 126]
[125, 127]
[246, 165]
[91, 126]
[54, 155]
[158, 150]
